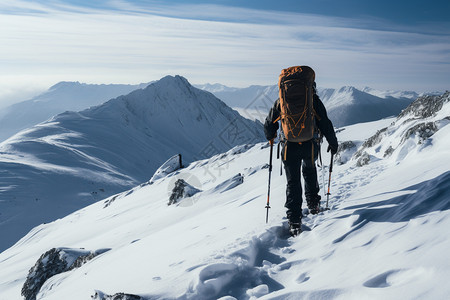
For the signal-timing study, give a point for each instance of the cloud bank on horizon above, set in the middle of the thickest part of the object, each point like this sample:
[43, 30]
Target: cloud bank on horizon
[138, 41]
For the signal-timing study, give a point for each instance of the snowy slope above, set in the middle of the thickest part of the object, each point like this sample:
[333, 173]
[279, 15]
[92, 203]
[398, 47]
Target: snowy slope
[76, 158]
[63, 96]
[384, 238]
[349, 105]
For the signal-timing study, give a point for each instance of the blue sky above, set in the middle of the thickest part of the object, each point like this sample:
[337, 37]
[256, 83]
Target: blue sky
[406, 12]
[399, 45]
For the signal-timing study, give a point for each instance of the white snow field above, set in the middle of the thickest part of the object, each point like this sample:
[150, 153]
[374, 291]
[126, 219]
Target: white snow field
[385, 237]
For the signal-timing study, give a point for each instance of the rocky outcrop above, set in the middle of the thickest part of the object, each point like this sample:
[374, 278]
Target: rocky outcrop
[414, 125]
[119, 296]
[53, 262]
[181, 190]
[344, 152]
[425, 106]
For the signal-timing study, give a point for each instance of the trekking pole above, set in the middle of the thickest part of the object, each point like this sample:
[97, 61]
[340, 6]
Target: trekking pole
[321, 167]
[329, 179]
[270, 173]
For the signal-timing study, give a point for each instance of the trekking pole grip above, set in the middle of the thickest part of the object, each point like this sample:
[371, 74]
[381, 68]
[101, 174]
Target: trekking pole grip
[331, 163]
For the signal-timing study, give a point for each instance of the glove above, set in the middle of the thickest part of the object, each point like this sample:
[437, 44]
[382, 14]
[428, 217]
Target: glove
[333, 149]
[270, 129]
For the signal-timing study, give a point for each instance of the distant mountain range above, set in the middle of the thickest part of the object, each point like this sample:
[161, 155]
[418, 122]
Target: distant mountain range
[348, 105]
[251, 102]
[76, 158]
[345, 106]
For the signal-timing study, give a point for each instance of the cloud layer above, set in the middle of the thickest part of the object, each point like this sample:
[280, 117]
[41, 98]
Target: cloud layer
[210, 43]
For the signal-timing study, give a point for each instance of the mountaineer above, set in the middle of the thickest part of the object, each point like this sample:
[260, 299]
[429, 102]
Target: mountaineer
[304, 121]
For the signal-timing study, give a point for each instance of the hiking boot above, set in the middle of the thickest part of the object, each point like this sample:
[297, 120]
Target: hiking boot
[314, 204]
[314, 210]
[295, 228]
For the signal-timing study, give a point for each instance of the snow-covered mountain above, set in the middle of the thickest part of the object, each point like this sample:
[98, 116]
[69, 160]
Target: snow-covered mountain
[77, 158]
[345, 106]
[349, 105]
[385, 236]
[216, 88]
[251, 102]
[64, 96]
[392, 94]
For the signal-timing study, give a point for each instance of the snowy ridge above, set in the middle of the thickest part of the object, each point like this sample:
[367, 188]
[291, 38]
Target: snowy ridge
[346, 105]
[391, 94]
[76, 158]
[349, 105]
[63, 96]
[384, 237]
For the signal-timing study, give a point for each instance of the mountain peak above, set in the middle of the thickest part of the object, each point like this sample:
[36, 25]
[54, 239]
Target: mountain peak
[173, 80]
[348, 89]
[64, 84]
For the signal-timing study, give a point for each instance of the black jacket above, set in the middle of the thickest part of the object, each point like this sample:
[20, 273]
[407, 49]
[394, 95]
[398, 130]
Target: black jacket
[324, 124]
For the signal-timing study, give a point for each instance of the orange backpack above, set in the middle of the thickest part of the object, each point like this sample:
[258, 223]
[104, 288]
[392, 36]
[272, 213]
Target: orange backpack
[296, 103]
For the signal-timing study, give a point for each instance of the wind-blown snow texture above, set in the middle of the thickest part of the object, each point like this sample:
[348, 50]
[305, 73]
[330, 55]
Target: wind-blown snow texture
[76, 158]
[385, 236]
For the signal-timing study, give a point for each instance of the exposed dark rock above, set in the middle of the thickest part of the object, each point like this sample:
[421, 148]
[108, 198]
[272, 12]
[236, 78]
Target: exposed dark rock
[363, 160]
[374, 139]
[53, 262]
[49, 264]
[423, 131]
[110, 200]
[388, 151]
[182, 189]
[345, 145]
[119, 296]
[341, 156]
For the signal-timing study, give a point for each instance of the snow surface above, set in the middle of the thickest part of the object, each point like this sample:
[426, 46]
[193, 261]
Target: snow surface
[385, 237]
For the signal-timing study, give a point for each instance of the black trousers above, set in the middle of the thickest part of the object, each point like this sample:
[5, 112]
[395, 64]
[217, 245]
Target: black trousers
[300, 158]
